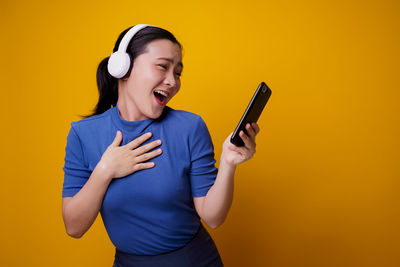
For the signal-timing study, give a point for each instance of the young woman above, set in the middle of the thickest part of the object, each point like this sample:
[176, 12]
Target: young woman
[147, 168]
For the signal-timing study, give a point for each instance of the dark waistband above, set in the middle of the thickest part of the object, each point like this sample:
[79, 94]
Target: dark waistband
[200, 250]
[201, 233]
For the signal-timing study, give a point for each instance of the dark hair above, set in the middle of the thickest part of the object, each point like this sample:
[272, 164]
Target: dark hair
[107, 84]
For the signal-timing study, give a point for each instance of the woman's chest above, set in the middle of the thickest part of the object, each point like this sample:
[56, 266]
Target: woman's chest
[168, 180]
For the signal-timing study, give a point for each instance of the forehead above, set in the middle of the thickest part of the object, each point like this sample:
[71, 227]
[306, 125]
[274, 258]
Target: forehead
[163, 48]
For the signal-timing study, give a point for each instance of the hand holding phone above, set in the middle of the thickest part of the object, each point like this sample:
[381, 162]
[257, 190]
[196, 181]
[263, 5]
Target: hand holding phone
[252, 113]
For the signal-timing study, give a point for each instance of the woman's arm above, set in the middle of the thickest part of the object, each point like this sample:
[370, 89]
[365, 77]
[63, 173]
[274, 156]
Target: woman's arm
[80, 211]
[214, 207]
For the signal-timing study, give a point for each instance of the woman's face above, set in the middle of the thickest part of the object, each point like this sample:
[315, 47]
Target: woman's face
[154, 80]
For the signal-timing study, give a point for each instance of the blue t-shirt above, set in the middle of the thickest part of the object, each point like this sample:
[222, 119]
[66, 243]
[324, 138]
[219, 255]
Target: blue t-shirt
[150, 211]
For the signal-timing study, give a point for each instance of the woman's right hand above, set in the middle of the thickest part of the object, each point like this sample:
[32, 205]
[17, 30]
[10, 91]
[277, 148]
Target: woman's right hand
[118, 161]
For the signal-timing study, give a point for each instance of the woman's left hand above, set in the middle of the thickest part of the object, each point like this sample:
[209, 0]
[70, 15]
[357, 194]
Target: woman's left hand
[234, 155]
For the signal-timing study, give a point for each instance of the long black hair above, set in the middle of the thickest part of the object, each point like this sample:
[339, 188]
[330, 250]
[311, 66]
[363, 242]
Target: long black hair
[107, 84]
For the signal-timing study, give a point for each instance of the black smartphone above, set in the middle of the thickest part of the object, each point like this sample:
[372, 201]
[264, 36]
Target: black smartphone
[252, 113]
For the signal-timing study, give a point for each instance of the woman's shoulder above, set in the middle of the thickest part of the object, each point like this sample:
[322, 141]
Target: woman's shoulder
[185, 122]
[183, 116]
[93, 122]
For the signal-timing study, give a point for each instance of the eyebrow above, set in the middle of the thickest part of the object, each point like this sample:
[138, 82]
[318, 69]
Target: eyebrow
[170, 60]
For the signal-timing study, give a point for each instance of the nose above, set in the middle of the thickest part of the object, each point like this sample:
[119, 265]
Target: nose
[170, 79]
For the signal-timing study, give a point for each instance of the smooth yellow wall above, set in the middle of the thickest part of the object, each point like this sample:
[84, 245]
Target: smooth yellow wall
[323, 188]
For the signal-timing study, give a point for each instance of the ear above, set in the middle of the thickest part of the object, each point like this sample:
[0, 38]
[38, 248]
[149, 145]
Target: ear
[127, 76]
[130, 73]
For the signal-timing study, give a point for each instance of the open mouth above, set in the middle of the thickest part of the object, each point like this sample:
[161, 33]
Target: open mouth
[161, 97]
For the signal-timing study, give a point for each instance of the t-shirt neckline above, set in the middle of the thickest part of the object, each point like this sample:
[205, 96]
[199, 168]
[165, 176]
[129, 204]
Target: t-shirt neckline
[129, 126]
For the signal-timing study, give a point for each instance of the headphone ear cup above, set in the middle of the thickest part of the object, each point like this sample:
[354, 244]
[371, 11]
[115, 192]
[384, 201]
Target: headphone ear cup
[118, 64]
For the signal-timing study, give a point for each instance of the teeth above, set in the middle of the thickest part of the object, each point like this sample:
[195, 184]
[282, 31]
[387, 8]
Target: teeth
[161, 93]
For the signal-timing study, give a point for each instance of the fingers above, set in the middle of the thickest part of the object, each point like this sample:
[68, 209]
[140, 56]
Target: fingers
[239, 149]
[117, 140]
[142, 166]
[248, 142]
[146, 156]
[147, 147]
[250, 139]
[138, 141]
[250, 131]
[255, 127]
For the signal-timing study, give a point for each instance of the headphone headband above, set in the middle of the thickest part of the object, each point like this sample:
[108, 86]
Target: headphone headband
[123, 45]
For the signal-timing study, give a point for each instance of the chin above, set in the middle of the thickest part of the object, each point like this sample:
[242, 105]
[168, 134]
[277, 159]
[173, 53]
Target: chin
[157, 114]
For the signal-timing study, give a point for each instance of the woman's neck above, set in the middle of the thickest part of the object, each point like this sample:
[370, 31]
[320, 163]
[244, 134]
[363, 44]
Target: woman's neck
[128, 111]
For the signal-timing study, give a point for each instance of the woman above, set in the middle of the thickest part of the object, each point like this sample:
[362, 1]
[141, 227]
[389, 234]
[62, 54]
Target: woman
[147, 168]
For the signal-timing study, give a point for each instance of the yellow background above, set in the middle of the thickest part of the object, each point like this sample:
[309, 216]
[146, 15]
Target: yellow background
[323, 188]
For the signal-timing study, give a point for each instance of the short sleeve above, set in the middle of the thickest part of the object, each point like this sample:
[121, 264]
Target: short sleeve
[76, 173]
[203, 171]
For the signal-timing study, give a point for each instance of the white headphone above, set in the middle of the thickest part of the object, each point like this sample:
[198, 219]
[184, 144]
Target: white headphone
[119, 61]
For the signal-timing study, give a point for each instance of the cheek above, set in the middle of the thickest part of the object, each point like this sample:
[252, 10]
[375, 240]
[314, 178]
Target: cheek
[177, 90]
[178, 83]
[144, 76]
[141, 83]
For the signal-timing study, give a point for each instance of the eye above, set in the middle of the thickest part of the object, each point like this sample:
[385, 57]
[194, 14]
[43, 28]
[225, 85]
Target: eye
[179, 74]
